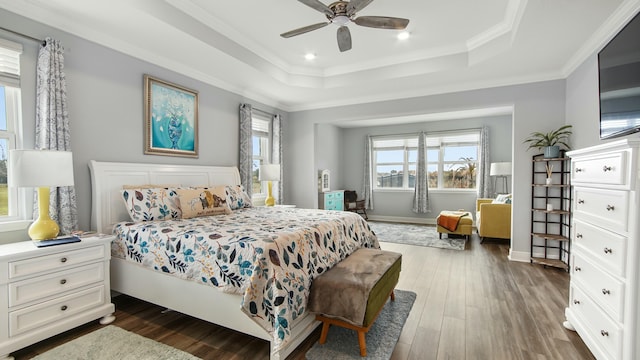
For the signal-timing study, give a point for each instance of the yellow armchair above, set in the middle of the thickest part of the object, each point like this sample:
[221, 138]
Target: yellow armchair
[493, 220]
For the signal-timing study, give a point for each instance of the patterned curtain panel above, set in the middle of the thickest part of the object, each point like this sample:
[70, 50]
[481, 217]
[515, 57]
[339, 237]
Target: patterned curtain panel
[246, 149]
[484, 165]
[367, 185]
[52, 128]
[276, 155]
[421, 192]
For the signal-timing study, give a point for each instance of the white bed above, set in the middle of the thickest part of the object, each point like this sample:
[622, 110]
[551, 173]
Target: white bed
[128, 278]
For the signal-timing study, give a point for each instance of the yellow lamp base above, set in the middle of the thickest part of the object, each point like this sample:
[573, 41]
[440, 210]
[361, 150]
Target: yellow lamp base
[270, 200]
[43, 228]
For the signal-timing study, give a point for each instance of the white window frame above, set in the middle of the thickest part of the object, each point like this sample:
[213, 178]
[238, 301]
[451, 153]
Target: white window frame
[435, 141]
[409, 143]
[265, 152]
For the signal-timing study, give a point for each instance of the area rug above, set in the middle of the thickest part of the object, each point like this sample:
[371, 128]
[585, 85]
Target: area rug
[413, 234]
[342, 344]
[114, 343]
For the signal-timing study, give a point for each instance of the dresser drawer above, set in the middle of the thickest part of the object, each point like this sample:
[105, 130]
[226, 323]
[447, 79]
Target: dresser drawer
[22, 292]
[600, 286]
[339, 196]
[609, 169]
[598, 326]
[607, 208]
[32, 317]
[54, 262]
[604, 247]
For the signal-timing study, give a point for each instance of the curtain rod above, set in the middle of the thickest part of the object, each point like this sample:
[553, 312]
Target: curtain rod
[23, 35]
[263, 112]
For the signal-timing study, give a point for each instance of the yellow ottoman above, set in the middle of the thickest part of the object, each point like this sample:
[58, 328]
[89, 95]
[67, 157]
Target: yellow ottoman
[464, 224]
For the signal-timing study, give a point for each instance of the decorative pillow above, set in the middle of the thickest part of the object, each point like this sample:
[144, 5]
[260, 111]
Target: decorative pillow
[152, 204]
[237, 198]
[502, 199]
[203, 202]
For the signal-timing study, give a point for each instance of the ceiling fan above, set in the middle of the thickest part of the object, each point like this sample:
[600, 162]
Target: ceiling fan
[342, 13]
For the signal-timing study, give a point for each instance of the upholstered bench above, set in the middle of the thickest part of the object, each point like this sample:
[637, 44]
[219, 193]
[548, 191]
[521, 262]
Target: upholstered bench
[464, 224]
[354, 291]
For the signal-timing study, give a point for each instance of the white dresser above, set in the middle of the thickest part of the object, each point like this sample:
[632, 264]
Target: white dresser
[603, 301]
[46, 291]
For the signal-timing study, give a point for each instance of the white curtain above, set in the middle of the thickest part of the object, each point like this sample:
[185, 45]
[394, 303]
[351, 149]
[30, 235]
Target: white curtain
[245, 162]
[484, 165]
[367, 185]
[276, 154]
[421, 192]
[52, 128]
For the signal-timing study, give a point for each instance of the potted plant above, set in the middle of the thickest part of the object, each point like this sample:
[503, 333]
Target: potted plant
[550, 141]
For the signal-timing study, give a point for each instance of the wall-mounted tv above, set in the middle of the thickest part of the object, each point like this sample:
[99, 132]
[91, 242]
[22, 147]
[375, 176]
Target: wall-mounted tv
[619, 76]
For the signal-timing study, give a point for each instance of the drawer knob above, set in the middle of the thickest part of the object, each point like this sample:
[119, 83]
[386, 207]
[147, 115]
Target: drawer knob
[607, 250]
[63, 307]
[606, 168]
[63, 281]
[579, 236]
[606, 292]
[604, 333]
[577, 268]
[63, 260]
[577, 302]
[610, 207]
[579, 170]
[580, 201]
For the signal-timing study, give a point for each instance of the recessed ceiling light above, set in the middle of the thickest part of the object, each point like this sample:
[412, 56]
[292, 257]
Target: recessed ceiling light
[310, 56]
[403, 35]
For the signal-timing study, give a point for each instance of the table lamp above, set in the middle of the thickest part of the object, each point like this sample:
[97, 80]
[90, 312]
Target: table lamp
[269, 173]
[41, 169]
[500, 170]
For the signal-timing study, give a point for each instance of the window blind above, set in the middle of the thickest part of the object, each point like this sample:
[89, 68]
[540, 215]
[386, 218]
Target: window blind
[10, 63]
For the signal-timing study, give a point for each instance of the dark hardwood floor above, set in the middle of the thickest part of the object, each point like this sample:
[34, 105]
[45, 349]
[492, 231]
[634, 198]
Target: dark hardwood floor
[472, 304]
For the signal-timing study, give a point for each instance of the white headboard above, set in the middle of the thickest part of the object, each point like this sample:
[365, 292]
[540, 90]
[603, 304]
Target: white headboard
[107, 178]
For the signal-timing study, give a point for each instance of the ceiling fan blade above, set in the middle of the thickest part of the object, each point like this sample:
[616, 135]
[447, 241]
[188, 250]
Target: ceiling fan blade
[357, 5]
[317, 5]
[382, 22]
[304, 29]
[344, 38]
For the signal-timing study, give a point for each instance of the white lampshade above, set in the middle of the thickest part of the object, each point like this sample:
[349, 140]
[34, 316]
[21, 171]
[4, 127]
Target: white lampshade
[500, 169]
[269, 172]
[40, 168]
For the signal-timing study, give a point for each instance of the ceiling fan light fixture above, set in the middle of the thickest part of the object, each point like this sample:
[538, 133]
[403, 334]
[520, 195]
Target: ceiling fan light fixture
[309, 56]
[341, 20]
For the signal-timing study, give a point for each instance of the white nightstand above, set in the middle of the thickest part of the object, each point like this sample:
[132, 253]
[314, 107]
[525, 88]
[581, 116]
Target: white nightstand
[46, 291]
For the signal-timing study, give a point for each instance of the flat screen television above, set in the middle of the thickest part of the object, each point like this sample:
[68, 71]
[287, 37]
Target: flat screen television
[619, 77]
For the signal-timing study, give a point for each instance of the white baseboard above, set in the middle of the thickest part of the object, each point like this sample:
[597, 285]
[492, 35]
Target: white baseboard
[400, 219]
[520, 256]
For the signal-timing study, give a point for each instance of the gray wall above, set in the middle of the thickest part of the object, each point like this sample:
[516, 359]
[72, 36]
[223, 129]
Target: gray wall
[105, 103]
[536, 107]
[329, 151]
[395, 205]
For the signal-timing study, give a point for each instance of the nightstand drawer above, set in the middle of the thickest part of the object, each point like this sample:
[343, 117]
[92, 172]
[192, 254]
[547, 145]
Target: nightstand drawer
[604, 247]
[607, 208]
[22, 292]
[600, 286]
[32, 317]
[54, 262]
[603, 169]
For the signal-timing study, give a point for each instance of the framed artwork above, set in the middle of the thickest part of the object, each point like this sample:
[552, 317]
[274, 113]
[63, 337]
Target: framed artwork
[170, 119]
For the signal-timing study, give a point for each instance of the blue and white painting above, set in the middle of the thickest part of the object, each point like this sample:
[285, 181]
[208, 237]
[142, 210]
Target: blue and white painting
[173, 120]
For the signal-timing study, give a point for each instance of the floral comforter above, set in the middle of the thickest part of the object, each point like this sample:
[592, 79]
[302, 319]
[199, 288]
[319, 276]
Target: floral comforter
[268, 255]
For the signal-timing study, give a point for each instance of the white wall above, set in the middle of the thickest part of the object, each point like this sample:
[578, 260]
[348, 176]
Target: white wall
[537, 107]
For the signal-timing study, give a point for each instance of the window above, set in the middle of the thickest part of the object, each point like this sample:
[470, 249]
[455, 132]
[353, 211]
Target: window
[9, 123]
[452, 159]
[395, 162]
[261, 129]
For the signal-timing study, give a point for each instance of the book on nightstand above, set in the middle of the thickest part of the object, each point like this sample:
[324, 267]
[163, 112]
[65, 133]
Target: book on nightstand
[65, 239]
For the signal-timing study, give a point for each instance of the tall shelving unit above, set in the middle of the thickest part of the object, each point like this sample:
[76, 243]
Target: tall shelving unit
[551, 211]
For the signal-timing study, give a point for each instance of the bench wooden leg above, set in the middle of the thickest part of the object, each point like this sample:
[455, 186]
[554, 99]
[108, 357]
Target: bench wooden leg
[393, 296]
[325, 331]
[363, 344]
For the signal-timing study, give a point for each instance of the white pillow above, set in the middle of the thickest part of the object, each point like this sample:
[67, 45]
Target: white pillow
[502, 199]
